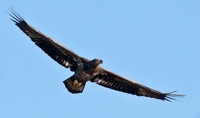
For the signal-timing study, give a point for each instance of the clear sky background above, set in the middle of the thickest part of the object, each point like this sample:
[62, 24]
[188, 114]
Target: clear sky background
[153, 42]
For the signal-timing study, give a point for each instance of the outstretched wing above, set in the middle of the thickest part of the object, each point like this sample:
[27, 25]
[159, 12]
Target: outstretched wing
[116, 82]
[60, 54]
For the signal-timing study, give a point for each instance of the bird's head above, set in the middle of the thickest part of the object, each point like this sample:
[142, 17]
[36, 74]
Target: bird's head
[96, 62]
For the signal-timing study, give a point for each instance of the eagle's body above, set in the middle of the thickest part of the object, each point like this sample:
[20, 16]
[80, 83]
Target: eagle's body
[84, 69]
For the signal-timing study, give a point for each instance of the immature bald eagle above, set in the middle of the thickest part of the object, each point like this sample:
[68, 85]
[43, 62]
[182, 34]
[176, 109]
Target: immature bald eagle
[84, 69]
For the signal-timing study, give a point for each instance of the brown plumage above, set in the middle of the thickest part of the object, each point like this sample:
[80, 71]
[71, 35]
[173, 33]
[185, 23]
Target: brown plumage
[84, 69]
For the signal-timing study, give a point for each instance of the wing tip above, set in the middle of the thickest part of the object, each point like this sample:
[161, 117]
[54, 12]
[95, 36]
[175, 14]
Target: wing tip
[171, 96]
[15, 17]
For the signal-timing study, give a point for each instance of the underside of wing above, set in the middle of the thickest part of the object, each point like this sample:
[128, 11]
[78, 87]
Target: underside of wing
[116, 82]
[60, 54]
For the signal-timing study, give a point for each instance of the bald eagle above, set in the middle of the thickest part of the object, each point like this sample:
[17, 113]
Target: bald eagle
[84, 69]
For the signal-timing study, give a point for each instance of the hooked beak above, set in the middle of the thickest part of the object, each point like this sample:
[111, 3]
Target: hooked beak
[101, 61]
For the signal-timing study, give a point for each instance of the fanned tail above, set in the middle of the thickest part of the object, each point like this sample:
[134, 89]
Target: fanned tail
[73, 85]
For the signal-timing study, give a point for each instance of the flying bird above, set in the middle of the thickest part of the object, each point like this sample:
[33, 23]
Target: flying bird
[84, 69]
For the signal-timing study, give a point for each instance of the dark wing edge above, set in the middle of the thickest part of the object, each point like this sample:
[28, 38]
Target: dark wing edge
[60, 54]
[116, 82]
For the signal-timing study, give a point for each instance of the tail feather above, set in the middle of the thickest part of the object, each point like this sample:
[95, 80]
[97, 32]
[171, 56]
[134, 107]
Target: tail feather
[74, 86]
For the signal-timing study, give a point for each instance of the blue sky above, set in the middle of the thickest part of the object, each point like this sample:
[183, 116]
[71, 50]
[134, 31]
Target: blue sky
[156, 43]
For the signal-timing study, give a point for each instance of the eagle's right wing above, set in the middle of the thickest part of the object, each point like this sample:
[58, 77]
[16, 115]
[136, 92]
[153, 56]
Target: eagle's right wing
[113, 81]
[60, 54]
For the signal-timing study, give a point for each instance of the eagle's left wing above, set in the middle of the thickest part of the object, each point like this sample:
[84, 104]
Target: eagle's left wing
[59, 53]
[116, 82]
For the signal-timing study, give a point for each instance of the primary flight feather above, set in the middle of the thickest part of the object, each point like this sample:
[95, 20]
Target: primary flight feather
[84, 69]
